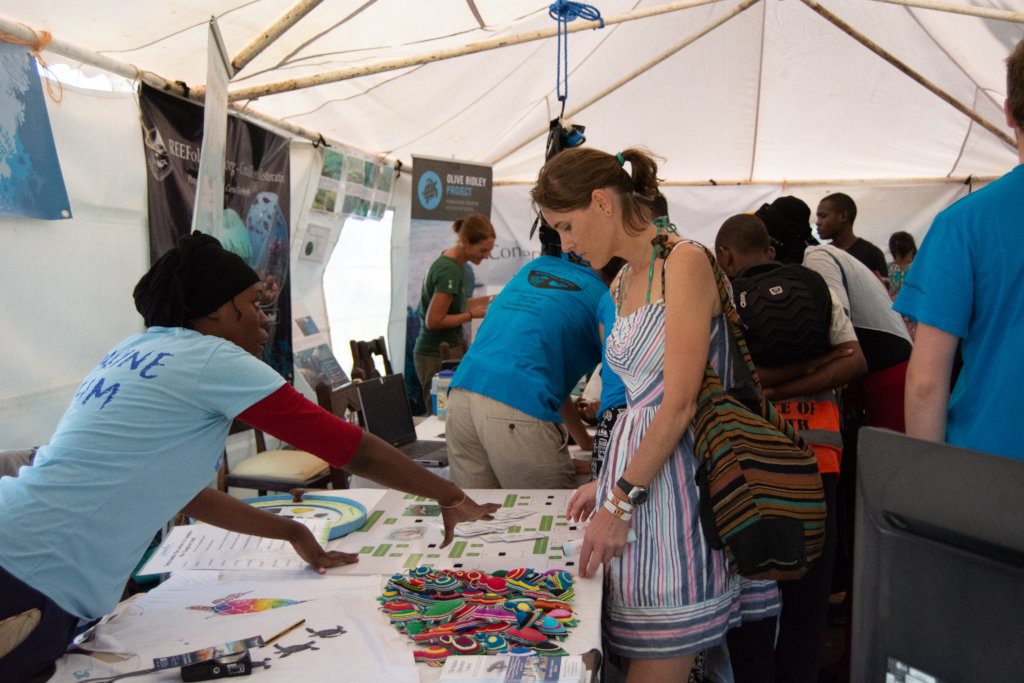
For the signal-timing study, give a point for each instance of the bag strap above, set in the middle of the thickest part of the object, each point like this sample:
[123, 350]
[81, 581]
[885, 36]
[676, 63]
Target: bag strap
[733, 316]
[842, 273]
[749, 385]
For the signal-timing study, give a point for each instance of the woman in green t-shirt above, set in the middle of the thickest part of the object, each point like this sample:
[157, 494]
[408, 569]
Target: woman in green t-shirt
[444, 302]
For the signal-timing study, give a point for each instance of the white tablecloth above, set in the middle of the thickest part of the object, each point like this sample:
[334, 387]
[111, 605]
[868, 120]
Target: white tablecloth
[177, 617]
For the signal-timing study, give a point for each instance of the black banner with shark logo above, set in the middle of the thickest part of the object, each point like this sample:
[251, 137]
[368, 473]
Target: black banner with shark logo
[256, 201]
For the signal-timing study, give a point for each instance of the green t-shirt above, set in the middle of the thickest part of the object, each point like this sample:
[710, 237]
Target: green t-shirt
[444, 277]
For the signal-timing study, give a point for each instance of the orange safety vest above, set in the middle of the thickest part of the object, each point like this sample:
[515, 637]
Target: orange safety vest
[818, 424]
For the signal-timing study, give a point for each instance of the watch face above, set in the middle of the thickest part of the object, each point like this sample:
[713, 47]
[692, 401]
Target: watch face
[638, 496]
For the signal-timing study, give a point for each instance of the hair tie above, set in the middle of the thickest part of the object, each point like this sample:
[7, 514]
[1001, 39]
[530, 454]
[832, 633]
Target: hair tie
[622, 159]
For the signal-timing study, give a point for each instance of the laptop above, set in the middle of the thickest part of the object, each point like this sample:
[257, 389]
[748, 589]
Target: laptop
[385, 407]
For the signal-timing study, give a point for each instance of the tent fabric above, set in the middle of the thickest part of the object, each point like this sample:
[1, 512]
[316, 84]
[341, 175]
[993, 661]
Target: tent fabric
[775, 101]
[776, 92]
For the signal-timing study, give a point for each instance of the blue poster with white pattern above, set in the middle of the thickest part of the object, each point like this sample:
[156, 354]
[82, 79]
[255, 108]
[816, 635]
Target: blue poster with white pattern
[31, 183]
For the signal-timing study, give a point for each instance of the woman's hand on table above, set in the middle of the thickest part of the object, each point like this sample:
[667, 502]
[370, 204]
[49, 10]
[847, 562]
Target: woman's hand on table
[582, 503]
[605, 538]
[306, 546]
[466, 511]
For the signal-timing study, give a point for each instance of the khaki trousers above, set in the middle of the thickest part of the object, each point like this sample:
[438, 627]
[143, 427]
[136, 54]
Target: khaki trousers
[493, 445]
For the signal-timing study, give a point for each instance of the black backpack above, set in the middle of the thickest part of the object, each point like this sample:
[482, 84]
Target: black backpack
[786, 311]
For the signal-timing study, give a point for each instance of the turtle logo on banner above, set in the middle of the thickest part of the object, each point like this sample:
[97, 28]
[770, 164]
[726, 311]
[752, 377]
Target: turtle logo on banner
[429, 189]
[157, 160]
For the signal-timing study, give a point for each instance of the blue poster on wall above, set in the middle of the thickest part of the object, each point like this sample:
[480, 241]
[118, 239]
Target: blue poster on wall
[31, 184]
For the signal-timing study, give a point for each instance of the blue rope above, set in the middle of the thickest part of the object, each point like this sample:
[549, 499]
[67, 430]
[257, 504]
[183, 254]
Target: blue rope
[564, 11]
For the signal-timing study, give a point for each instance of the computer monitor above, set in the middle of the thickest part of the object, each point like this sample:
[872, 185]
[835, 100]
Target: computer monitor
[938, 585]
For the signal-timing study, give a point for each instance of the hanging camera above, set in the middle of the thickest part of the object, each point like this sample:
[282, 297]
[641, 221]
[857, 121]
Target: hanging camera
[560, 136]
[563, 135]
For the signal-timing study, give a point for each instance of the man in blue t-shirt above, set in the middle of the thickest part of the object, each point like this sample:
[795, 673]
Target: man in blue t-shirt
[965, 286]
[509, 402]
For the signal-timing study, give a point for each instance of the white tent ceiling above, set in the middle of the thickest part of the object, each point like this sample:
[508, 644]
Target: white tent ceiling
[777, 92]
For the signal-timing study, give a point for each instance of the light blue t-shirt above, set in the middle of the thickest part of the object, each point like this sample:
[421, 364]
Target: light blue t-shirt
[966, 280]
[538, 339]
[142, 436]
[613, 391]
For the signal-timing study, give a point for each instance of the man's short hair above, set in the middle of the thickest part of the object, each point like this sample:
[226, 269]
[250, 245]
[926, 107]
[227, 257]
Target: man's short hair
[1015, 84]
[744, 234]
[843, 203]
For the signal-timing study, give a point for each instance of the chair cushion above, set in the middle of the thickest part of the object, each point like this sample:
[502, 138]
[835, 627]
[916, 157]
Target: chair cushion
[283, 464]
[12, 461]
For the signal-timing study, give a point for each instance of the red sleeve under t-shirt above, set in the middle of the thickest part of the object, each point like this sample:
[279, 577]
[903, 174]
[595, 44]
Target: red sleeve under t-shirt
[291, 417]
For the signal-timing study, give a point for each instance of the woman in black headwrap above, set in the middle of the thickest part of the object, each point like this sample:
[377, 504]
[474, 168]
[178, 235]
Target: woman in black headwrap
[141, 441]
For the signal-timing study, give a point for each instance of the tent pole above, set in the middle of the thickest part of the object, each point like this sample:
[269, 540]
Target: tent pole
[131, 72]
[629, 77]
[936, 90]
[291, 84]
[289, 19]
[957, 180]
[983, 12]
[83, 56]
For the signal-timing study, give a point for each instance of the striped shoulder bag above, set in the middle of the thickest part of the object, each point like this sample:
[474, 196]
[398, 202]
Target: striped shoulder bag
[761, 494]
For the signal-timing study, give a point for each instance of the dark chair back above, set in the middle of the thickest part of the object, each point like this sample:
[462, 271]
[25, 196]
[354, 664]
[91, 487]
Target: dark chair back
[363, 366]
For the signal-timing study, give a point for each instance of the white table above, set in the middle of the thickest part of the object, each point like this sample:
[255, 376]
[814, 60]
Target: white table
[146, 624]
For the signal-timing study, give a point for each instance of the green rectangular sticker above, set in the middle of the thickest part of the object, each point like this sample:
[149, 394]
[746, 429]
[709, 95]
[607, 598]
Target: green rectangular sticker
[382, 550]
[545, 523]
[510, 500]
[457, 549]
[413, 561]
[371, 520]
[540, 546]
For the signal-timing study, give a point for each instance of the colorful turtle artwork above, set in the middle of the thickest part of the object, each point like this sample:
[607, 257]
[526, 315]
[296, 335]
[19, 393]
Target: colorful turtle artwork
[447, 612]
[235, 604]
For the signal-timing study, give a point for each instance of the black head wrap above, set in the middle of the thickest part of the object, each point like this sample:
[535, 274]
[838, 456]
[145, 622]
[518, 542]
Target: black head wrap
[191, 280]
[788, 223]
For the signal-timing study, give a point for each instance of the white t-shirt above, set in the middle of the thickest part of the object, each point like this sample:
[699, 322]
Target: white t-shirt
[863, 297]
[142, 436]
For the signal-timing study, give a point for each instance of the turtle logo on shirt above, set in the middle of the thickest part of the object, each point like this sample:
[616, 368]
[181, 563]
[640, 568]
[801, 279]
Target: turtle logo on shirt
[542, 280]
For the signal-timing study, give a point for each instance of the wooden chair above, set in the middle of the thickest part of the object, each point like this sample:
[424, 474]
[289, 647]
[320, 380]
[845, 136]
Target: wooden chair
[452, 355]
[276, 470]
[12, 461]
[343, 402]
[363, 366]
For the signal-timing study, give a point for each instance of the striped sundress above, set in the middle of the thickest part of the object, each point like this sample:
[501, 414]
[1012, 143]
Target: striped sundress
[669, 594]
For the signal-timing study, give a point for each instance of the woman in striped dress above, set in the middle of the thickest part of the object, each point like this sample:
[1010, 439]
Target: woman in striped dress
[668, 594]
